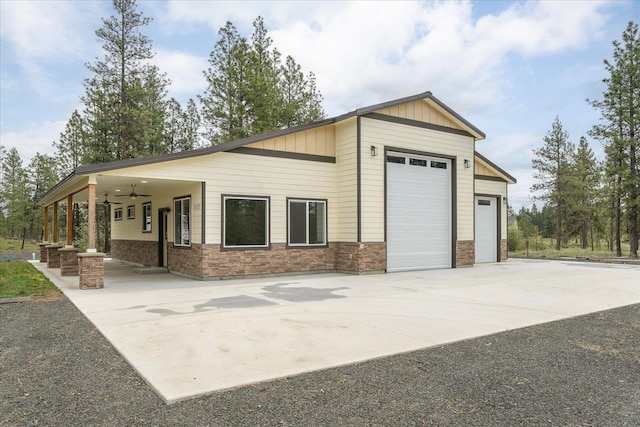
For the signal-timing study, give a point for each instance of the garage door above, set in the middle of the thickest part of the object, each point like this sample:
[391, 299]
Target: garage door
[418, 212]
[486, 229]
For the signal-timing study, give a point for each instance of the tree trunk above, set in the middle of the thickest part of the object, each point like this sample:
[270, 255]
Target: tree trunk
[584, 236]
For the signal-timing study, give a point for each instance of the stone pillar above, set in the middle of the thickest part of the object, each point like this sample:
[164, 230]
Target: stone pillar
[43, 251]
[91, 268]
[504, 250]
[53, 256]
[465, 253]
[69, 261]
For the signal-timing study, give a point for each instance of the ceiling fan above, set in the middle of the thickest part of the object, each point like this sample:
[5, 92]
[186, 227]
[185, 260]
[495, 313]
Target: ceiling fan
[107, 202]
[133, 194]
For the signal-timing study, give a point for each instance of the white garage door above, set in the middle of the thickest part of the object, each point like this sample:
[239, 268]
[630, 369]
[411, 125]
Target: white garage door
[418, 212]
[486, 230]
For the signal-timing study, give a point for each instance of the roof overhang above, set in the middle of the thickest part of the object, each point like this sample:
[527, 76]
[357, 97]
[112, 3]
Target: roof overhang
[495, 168]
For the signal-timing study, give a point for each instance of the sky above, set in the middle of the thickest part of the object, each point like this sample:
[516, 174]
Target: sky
[507, 67]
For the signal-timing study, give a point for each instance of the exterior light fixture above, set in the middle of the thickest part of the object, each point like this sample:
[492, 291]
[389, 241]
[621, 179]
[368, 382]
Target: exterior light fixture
[467, 164]
[374, 150]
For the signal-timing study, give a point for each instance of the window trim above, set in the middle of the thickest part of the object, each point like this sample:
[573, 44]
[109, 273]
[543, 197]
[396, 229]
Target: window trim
[326, 224]
[223, 245]
[144, 218]
[117, 217]
[175, 213]
[131, 212]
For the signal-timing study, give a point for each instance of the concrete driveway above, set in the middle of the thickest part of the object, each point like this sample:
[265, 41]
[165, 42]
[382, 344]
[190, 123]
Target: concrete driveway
[188, 337]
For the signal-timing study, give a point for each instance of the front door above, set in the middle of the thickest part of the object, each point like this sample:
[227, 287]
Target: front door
[163, 241]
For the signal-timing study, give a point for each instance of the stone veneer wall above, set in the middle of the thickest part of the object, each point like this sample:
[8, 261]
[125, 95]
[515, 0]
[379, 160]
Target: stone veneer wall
[465, 253]
[143, 252]
[504, 250]
[210, 262]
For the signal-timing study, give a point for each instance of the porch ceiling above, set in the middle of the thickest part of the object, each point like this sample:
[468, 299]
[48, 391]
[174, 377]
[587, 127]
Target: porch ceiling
[116, 188]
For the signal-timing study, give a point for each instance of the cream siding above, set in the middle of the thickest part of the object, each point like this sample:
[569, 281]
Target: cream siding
[131, 229]
[319, 141]
[246, 175]
[381, 133]
[346, 182]
[497, 188]
[420, 111]
[481, 169]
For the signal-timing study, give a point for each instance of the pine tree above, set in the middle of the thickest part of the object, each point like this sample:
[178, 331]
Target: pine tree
[251, 92]
[585, 180]
[619, 129]
[552, 165]
[224, 101]
[125, 96]
[70, 147]
[14, 196]
[41, 176]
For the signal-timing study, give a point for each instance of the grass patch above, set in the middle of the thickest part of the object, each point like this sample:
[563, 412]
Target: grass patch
[11, 245]
[21, 279]
[546, 249]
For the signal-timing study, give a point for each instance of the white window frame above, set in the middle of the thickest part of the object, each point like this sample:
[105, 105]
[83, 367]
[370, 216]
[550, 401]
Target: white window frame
[117, 214]
[178, 231]
[146, 217]
[267, 243]
[307, 202]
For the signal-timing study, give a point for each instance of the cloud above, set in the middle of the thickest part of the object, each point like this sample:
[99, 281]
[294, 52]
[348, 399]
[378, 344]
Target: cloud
[35, 34]
[36, 139]
[184, 70]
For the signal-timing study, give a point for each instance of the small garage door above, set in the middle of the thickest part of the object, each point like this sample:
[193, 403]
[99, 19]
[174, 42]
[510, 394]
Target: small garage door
[486, 229]
[418, 212]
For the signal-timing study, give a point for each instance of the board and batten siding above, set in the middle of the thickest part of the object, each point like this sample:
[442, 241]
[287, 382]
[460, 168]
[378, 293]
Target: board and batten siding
[346, 180]
[382, 133]
[247, 175]
[318, 141]
[498, 188]
[481, 169]
[421, 111]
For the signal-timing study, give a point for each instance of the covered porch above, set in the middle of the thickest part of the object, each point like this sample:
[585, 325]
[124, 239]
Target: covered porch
[137, 208]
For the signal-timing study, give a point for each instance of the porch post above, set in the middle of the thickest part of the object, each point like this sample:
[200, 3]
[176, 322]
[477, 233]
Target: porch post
[55, 223]
[45, 236]
[91, 243]
[45, 232]
[69, 220]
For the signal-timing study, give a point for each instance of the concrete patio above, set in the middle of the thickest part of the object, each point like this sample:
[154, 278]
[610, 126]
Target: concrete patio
[188, 337]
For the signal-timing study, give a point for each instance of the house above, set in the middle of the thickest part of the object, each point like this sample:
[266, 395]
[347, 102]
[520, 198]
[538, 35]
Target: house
[390, 187]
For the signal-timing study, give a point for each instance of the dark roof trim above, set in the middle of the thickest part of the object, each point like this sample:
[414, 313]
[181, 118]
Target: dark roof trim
[283, 154]
[227, 146]
[418, 97]
[416, 123]
[496, 167]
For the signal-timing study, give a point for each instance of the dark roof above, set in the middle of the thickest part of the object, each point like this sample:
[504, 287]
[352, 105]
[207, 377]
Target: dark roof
[496, 167]
[228, 146]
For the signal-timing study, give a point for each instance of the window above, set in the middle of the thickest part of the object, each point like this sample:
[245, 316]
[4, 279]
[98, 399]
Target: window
[146, 217]
[418, 162]
[117, 214]
[245, 222]
[396, 159]
[438, 165]
[484, 202]
[131, 212]
[182, 221]
[307, 222]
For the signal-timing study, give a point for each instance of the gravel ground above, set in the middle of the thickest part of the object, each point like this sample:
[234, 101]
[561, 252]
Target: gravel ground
[57, 369]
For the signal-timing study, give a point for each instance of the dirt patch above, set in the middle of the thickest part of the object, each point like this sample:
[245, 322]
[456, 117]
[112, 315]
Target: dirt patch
[51, 295]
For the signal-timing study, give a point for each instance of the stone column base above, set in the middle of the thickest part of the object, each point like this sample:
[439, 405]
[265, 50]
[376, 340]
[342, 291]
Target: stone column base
[91, 266]
[69, 261]
[53, 256]
[465, 253]
[43, 251]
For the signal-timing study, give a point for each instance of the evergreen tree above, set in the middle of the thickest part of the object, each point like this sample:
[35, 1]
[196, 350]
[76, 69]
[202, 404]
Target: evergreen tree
[70, 148]
[552, 171]
[14, 200]
[125, 96]
[619, 129]
[223, 104]
[251, 92]
[585, 180]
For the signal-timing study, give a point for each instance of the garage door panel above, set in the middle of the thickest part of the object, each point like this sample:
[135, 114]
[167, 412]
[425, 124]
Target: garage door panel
[418, 214]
